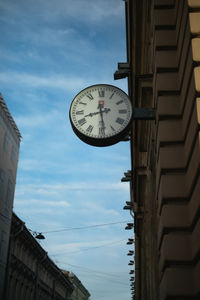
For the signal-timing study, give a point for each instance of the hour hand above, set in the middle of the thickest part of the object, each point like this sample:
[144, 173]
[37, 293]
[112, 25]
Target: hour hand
[89, 115]
[92, 114]
[106, 110]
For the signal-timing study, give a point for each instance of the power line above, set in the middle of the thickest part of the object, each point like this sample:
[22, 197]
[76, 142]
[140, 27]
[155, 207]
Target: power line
[86, 249]
[84, 227]
[89, 270]
[101, 274]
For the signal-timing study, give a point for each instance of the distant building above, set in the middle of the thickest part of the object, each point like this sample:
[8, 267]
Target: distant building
[31, 274]
[9, 151]
[80, 292]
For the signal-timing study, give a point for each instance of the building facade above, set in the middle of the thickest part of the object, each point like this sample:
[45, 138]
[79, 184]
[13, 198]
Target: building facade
[80, 292]
[31, 274]
[163, 70]
[9, 151]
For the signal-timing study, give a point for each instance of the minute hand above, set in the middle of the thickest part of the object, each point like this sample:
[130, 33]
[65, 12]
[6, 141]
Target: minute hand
[102, 121]
[106, 110]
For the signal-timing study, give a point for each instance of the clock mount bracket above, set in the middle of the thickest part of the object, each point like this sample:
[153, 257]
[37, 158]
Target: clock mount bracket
[143, 114]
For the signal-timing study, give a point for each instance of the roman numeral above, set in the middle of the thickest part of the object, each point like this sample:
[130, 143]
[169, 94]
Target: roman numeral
[90, 128]
[120, 121]
[119, 102]
[79, 112]
[122, 111]
[113, 129]
[101, 130]
[101, 93]
[82, 121]
[112, 95]
[83, 103]
[90, 96]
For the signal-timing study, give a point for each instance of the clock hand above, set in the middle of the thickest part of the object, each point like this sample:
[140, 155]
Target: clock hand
[106, 110]
[102, 121]
[91, 114]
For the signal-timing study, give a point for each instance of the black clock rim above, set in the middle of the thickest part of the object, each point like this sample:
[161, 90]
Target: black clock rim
[98, 84]
[101, 142]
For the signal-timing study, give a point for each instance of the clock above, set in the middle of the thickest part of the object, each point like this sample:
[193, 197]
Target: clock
[101, 115]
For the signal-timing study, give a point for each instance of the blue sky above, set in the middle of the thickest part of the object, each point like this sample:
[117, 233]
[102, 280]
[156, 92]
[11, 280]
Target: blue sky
[49, 51]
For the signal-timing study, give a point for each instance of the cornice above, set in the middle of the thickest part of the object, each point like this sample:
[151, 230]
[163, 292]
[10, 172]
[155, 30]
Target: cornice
[9, 117]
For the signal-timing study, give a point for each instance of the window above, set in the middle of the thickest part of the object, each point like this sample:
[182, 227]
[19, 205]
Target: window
[2, 245]
[5, 142]
[2, 178]
[13, 154]
[8, 200]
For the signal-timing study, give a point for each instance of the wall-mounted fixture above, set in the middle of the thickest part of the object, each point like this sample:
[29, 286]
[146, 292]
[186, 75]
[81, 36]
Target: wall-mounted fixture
[129, 205]
[126, 207]
[128, 176]
[129, 226]
[37, 235]
[40, 236]
[130, 241]
[123, 71]
[132, 284]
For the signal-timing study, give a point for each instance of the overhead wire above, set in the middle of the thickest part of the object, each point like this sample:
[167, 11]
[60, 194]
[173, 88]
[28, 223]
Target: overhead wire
[89, 270]
[87, 249]
[83, 227]
[101, 274]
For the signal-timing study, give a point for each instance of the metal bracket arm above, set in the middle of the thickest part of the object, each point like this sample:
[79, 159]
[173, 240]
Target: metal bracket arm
[143, 114]
[123, 71]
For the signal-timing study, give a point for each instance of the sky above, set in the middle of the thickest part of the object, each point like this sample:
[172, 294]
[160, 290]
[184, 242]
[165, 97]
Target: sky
[70, 191]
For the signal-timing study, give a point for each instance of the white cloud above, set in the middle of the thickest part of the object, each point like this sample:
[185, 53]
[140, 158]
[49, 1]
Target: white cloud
[66, 248]
[43, 203]
[36, 81]
[94, 11]
[53, 163]
[94, 207]
[56, 37]
[53, 189]
[38, 119]
[87, 11]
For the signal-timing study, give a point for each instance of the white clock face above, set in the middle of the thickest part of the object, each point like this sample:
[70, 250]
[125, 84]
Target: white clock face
[100, 112]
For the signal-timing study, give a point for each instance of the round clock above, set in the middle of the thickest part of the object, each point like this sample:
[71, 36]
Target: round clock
[101, 115]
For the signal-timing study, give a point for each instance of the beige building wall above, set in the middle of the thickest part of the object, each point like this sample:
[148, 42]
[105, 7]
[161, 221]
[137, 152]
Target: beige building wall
[178, 149]
[9, 151]
[163, 49]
